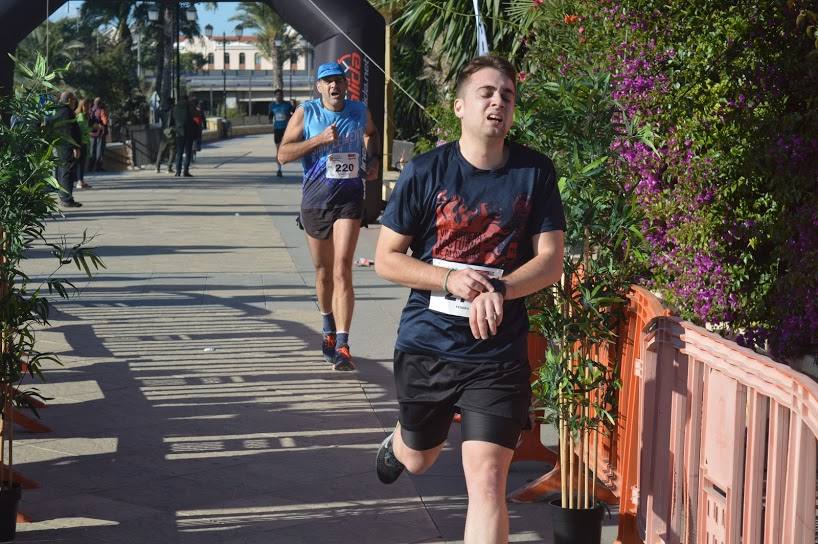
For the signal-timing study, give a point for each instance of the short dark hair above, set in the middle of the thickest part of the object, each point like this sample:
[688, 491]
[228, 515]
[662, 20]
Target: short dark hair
[485, 61]
[278, 91]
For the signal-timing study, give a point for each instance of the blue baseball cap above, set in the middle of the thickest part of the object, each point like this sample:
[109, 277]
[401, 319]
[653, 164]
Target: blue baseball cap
[329, 69]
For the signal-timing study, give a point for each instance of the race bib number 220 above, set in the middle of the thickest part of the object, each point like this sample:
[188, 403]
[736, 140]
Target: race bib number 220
[342, 165]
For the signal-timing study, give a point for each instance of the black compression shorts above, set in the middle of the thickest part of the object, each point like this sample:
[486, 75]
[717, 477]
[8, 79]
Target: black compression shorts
[493, 398]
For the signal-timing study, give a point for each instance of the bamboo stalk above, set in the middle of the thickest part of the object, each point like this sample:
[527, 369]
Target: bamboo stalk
[3, 476]
[11, 441]
[596, 461]
[563, 459]
[571, 471]
[5, 344]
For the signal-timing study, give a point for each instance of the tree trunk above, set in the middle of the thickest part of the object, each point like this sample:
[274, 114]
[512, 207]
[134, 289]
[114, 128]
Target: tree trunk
[160, 63]
[167, 54]
[278, 63]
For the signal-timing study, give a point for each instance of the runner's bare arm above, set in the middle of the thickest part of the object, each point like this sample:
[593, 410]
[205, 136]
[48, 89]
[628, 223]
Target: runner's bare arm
[293, 146]
[372, 144]
[392, 263]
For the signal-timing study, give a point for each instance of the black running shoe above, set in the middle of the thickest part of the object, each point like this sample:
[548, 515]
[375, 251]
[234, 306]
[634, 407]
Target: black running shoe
[328, 347]
[387, 465]
[343, 360]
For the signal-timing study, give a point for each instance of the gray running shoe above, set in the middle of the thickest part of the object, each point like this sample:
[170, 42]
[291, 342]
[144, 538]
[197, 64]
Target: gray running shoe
[387, 465]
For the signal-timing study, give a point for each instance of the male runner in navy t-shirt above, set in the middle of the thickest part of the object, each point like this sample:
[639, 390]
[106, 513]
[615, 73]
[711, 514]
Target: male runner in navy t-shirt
[484, 220]
[280, 113]
[337, 142]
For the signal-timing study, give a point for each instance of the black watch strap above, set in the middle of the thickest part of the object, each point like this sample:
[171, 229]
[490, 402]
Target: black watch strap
[499, 286]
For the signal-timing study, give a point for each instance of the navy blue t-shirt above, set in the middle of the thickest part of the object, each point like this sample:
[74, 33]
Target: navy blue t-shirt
[460, 215]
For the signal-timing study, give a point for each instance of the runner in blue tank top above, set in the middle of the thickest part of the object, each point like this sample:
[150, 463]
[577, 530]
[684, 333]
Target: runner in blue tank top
[338, 145]
[280, 113]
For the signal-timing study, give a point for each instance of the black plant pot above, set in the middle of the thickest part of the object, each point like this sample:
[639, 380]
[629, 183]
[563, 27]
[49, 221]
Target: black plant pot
[9, 499]
[582, 526]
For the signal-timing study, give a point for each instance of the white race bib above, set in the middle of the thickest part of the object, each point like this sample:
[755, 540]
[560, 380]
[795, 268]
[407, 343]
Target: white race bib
[450, 304]
[342, 165]
[280, 116]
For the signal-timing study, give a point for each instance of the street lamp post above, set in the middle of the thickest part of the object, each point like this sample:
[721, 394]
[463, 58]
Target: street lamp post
[178, 54]
[293, 60]
[153, 16]
[239, 30]
[277, 42]
[190, 15]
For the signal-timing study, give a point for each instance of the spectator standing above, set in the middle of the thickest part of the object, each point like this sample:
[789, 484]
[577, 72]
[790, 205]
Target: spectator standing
[200, 121]
[185, 133]
[167, 146]
[83, 115]
[280, 113]
[67, 150]
[99, 134]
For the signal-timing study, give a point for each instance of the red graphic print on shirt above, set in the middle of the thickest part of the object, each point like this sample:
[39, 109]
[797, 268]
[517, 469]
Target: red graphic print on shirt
[478, 235]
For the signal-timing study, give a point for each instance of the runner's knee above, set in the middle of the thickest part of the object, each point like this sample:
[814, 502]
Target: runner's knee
[323, 274]
[342, 274]
[485, 478]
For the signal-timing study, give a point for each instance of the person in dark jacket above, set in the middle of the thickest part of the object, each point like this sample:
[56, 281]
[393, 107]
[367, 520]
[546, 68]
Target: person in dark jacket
[185, 134]
[167, 145]
[67, 150]
[200, 122]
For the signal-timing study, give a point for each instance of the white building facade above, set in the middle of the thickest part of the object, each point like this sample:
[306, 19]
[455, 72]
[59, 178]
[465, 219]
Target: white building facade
[237, 53]
[237, 76]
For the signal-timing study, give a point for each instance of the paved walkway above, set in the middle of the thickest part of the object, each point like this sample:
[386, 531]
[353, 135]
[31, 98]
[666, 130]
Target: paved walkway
[193, 405]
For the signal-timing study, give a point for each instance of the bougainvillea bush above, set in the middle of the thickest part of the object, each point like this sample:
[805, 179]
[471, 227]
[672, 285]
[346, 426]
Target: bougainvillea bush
[731, 194]
[707, 112]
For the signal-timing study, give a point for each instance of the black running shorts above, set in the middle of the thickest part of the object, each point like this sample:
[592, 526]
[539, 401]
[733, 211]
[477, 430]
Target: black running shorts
[278, 134]
[493, 399]
[318, 223]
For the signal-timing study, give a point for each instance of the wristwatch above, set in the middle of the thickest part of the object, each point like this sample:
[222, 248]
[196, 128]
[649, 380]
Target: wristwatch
[499, 286]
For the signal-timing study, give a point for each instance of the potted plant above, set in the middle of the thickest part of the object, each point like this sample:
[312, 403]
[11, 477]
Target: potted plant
[576, 388]
[27, 201]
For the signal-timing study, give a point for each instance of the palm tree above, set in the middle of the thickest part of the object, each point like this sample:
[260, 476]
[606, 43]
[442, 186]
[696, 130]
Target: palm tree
[62, 40]
[270, 27]
[450, 30]
[104, 13]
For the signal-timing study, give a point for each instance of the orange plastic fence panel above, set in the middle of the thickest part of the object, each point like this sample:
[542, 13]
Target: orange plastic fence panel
[757, 410]
[727, 443]
[642, 308]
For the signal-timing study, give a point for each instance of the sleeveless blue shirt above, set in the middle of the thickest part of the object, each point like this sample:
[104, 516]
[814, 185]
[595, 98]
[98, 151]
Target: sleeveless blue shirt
[334, 173]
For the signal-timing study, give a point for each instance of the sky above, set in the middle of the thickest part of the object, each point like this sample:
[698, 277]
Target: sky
[220, 18]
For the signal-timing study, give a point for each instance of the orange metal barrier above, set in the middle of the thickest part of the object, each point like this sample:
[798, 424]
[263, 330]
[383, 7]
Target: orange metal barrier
[727, 442]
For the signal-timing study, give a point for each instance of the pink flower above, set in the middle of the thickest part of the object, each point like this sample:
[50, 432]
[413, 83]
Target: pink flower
[537, 2]
[522, 76]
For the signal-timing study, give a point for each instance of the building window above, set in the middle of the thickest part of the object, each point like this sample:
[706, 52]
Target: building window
[241, 60]
[227, 60]
[258, 60]
[210, 60]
